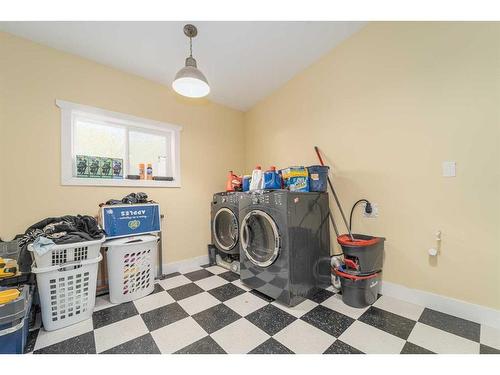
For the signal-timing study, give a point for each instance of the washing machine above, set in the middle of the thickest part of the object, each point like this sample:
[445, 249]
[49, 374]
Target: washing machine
[284, 243]
[224, 222]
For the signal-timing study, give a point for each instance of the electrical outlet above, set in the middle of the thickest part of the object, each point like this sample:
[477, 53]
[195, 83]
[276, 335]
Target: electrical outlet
[374, 212]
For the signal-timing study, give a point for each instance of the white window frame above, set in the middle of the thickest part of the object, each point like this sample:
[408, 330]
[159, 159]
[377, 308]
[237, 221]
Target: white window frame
[68, 112]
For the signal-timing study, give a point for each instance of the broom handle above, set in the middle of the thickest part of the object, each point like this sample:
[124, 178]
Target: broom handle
[334, 223]
[331, 215]
[335, 195]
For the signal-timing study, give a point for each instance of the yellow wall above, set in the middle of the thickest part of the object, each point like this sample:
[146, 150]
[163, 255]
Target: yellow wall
[32, 77]
[387, 107]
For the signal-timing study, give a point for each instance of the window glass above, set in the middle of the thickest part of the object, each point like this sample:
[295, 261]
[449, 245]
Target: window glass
[97, 139]
[103, 148]
[150, 148]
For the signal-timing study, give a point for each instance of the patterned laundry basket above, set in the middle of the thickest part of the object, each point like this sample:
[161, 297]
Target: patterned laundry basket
[131, 264]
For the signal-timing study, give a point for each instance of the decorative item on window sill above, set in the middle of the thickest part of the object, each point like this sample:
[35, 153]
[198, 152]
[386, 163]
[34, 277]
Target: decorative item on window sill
[98, 167]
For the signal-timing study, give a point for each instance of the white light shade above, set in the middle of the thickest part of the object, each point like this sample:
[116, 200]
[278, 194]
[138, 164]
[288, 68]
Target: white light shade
[190, 82]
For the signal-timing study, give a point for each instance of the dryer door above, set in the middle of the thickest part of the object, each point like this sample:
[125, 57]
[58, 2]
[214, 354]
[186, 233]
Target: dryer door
[225, 229]
[260, 238]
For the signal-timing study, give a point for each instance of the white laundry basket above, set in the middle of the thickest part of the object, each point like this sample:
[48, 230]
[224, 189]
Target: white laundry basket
[66, 253]
[131, 263]
[67, 292]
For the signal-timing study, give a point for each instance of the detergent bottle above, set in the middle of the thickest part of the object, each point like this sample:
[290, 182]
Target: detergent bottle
[245, 182]
[233, 182]
[256, 182]
[272, 179]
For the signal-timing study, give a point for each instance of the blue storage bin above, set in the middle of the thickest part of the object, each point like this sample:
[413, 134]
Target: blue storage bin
[14, 323]
[318, 178]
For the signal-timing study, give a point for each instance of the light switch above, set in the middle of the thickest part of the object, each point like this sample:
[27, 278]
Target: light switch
[449, 169]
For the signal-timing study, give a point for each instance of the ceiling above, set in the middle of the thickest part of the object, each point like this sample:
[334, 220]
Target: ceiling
[243, 61]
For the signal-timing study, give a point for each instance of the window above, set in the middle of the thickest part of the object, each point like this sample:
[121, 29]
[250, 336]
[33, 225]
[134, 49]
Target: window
[103, 148]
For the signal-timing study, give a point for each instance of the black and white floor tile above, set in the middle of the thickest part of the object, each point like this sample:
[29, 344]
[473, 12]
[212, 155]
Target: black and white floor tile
[208, 310]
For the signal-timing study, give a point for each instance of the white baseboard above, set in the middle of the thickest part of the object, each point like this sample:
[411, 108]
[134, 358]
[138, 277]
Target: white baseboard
[185, 264]
[476, 313]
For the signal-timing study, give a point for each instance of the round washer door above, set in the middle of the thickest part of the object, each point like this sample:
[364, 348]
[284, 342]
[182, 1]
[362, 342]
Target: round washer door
[259, 238]
[225, 229]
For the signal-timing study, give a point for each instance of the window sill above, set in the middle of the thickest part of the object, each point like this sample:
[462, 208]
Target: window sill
[74, 181]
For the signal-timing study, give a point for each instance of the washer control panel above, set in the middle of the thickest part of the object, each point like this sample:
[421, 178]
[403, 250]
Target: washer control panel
[279, 199]
[227, 197]
[268, 198]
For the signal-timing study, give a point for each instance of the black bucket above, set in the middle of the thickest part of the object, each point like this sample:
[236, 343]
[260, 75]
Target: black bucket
[359, 291]
[364, 255]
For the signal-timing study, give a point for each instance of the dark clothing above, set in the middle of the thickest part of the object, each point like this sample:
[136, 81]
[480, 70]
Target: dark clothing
[62, 230]
[132, 198]
[77, 229]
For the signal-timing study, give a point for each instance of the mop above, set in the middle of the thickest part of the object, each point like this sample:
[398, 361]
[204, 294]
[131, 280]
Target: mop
[355, 251]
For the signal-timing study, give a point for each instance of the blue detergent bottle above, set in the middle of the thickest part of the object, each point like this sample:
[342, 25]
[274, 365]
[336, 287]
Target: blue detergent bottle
[272, 179]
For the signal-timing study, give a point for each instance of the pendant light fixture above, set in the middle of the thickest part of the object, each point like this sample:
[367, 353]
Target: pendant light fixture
[189, 81]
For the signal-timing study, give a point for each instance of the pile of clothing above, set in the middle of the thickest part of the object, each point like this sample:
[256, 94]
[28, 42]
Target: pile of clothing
[56, 231]
[132, 198]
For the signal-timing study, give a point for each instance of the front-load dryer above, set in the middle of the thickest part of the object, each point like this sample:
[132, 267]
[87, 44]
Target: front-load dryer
[284, 243]
[224, 222]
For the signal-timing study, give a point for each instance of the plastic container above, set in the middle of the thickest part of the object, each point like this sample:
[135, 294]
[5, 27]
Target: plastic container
[67, 253]
[131, 264]
[142, 171]
[272, 180]
[67, 292]
[14, 323]
[359, 291]
[364, 256]
[149, 171]
[256, 183]
[233, 182]
[318, 178]
[245, 182]
[296, 179]
[9, 249]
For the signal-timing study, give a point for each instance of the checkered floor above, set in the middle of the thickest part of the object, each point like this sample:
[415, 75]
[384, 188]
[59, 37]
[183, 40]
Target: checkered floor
[208, 310]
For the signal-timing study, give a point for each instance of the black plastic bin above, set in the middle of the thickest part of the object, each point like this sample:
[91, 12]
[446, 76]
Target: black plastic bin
[14, 322]
[359, 291]
[364, 255]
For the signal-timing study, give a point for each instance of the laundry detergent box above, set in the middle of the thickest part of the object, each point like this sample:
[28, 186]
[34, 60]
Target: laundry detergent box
[123, 220]
[82, 166]
[296, 178]
[106, 165]
[94, 163]
[117, 168]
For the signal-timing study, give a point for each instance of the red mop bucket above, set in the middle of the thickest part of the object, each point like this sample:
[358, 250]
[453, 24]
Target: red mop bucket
[364, 255]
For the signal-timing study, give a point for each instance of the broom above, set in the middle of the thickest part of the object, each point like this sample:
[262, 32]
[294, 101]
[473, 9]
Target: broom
[336, 200]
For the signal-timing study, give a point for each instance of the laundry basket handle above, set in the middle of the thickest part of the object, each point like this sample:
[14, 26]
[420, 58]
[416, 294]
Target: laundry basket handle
[66, 265]
[134, 241]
